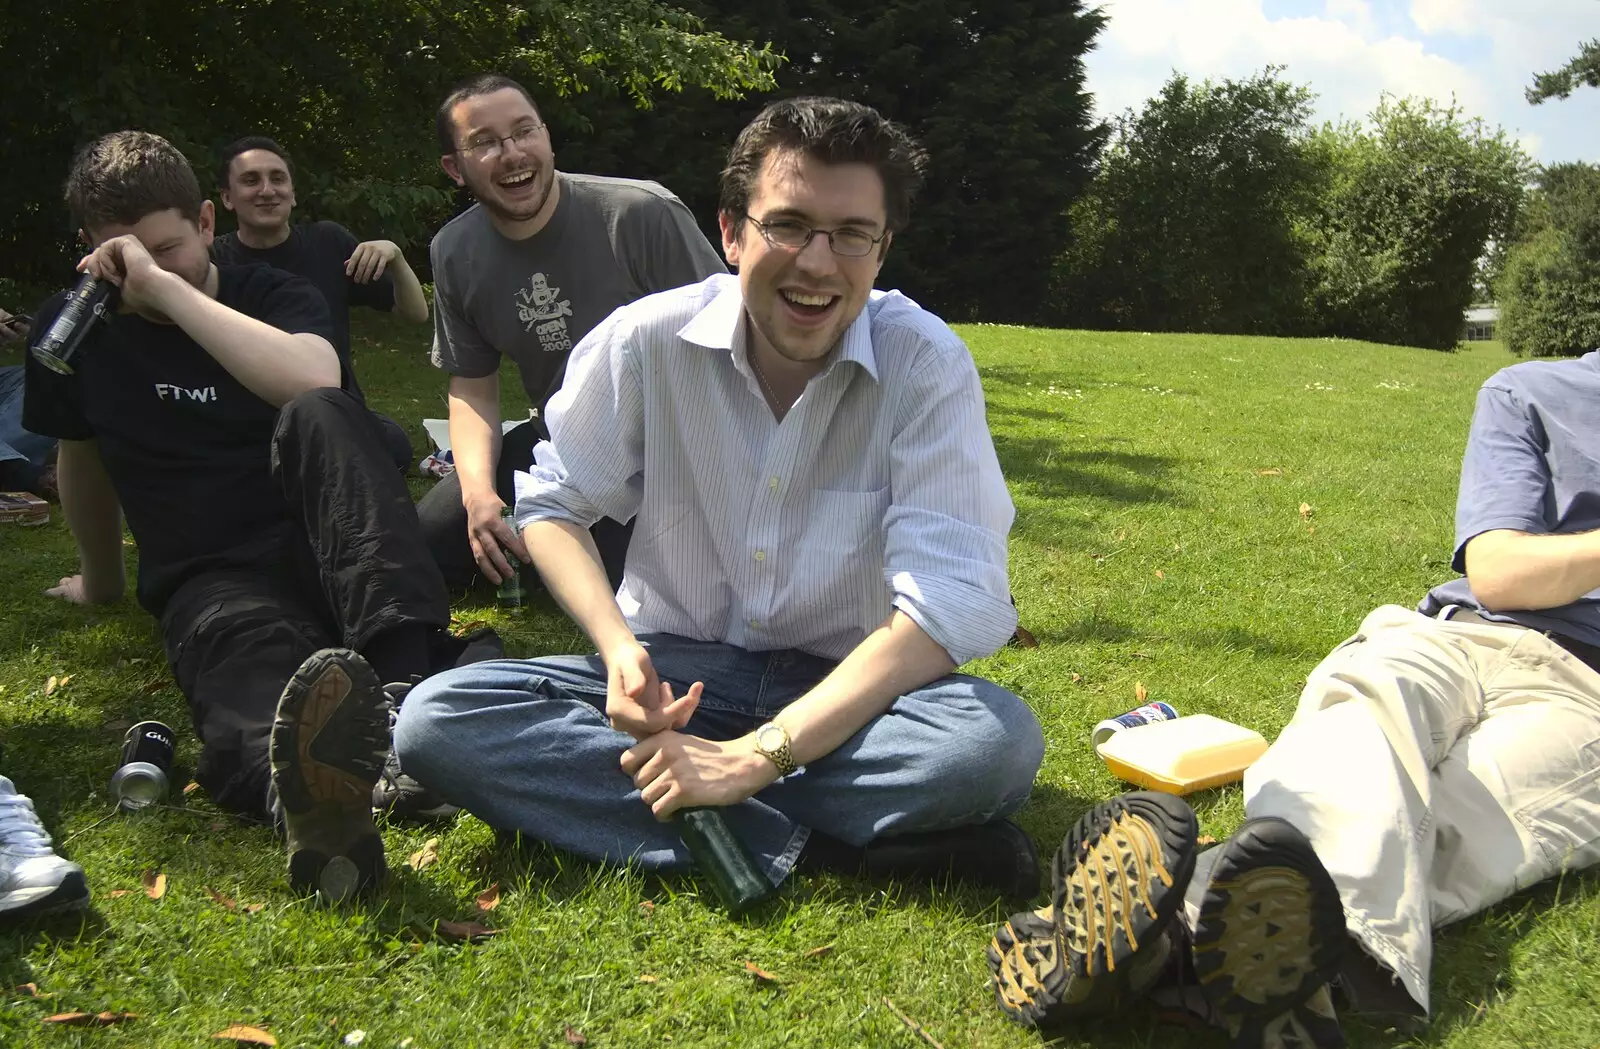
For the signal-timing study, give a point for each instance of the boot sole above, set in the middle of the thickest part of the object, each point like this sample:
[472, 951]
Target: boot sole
[1271, 928]
[1118, 880]
[327, 751]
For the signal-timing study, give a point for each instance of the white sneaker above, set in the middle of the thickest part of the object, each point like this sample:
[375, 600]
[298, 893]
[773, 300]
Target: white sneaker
[33, 879]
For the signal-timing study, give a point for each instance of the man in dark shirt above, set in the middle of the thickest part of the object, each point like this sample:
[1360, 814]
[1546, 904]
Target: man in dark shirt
[269, 526]
[256, 179]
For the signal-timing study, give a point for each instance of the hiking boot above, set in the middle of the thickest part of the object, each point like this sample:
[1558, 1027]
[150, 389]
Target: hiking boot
[1116, 884]
[1268, 934]
[397, 796]
[996, 855]
[1373, 992]
[33, 879]
[329, 741]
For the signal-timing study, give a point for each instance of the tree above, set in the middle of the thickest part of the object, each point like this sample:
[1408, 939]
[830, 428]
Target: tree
[1550, 291]
[1193, 222]
[1410, 205]
[1582, 71]
[349, 89]
[994, 91]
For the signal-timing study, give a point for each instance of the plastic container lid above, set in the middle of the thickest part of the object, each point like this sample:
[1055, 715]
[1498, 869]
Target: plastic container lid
[1185, 755]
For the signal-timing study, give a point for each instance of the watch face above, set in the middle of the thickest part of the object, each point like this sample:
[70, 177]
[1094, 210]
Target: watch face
[771, 737]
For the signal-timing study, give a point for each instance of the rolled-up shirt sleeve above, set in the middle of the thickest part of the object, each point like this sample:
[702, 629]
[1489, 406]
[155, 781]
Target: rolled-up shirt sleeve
[1505, 479]
[593, 464]
[949, 511]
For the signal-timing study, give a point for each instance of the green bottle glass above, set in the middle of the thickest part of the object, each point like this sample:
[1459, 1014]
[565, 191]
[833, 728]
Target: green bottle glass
[512, 592]
[723, 859]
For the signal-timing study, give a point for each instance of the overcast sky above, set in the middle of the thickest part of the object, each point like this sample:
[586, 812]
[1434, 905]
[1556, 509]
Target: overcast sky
[1484, 52]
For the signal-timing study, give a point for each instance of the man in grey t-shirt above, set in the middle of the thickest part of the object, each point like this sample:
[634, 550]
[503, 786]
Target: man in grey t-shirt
[543, 257]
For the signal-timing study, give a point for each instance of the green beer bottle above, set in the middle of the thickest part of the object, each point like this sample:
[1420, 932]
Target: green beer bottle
[723, 859]
[511, 593]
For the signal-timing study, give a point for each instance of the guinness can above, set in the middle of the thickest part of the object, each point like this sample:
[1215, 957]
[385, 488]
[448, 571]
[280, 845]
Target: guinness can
[143, 779]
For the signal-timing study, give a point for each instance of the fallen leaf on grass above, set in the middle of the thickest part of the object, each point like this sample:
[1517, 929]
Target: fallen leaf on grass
[190, 787]
[245, 1035]
[219, 825]
[489, 898]
[32, 990]
[648, 906]
[819, 952]
[575, 1036]
[1023, 638]
[1272, 471]
[467, 932]
[761, 975]
[253, 908]
[1205, 839]
[114, 893]
[428, 854]
[90, 1019]
[232, 905]
[1305, 510]
[649, 978]
[1140, 693]
[1160, 574]
[1076, 678]
[155, 884]
[49, 689]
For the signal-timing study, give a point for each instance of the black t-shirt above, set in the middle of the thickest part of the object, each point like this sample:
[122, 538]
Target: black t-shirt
[318, 251]
[186, 445]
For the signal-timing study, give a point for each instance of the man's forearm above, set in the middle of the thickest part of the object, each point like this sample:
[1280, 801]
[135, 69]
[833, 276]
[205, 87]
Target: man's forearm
[475, 431]
[1517, 571]
[894, 659]
[95, 517]
[569, 563]
[273, 364]
[409, 301]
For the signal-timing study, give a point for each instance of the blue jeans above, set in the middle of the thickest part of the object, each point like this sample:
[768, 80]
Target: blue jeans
[15, 442]
[525, 745]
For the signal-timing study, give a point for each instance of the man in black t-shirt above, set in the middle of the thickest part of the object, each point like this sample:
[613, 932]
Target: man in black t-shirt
[270, 527]
[256, 179]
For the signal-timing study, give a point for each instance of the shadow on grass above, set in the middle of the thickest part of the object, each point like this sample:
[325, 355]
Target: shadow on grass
[1095, 628]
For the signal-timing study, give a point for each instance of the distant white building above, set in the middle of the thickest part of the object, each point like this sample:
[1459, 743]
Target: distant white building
[1479, 323]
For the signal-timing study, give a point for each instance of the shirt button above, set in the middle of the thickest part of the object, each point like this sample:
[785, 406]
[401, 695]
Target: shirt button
[772, 483]
[755, 624]
[761, 555]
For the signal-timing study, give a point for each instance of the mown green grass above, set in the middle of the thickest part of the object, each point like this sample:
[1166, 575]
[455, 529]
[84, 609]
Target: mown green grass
[1160, 540]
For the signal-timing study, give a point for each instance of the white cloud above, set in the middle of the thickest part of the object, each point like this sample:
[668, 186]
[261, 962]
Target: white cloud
[1482, 53]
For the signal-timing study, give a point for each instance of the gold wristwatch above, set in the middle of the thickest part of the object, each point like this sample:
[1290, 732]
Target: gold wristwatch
[772, 739]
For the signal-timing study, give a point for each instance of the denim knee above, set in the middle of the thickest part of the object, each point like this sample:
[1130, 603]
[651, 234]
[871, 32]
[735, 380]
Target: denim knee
[423, 749]
[997, 748]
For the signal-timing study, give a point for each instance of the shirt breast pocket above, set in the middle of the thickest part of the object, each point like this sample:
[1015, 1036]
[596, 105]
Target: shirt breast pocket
[847, 524]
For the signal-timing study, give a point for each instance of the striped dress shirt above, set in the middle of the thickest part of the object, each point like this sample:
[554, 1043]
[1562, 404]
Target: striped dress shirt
[879, 489]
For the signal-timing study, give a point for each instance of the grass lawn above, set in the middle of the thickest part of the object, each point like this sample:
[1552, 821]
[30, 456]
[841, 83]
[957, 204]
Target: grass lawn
[1203, 516]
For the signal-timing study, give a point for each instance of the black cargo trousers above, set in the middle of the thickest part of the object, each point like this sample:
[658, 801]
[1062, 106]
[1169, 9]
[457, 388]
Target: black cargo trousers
[348, 564]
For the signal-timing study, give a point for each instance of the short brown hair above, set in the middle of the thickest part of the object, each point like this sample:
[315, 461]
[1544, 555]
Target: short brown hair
[444, 122]
[834, 131]
[124, 176]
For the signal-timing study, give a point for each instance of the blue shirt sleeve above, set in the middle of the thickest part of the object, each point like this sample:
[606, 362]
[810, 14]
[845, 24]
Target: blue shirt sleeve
[1505, 477]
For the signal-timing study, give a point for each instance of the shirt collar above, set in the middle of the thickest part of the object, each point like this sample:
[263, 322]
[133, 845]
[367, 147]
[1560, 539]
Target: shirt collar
[719, 326]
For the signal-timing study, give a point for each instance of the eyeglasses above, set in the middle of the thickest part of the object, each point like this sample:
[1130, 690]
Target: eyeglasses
[487, 147]
[792, 235]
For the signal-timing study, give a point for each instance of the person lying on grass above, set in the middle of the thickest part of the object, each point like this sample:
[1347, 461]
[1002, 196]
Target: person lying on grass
[271, 525]
[820, 541]
[1440, 760]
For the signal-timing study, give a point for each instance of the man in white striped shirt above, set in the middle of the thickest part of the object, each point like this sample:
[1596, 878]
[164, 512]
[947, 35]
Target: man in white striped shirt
[820, 541]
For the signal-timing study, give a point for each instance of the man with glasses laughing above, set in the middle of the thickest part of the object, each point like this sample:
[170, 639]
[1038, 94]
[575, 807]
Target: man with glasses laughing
[820, 543]
[543, 257]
